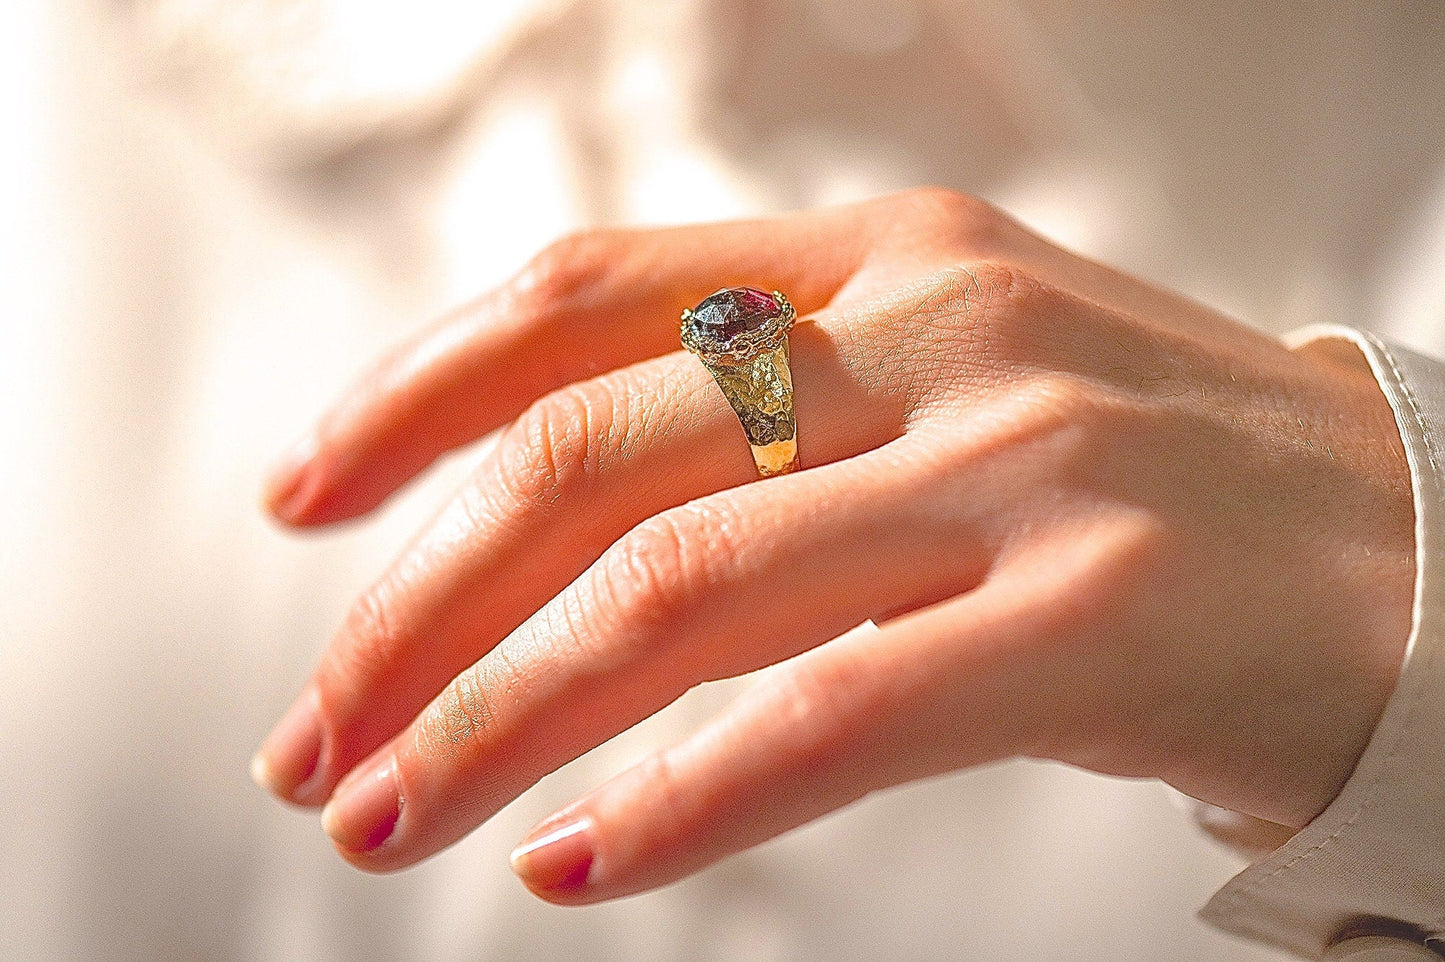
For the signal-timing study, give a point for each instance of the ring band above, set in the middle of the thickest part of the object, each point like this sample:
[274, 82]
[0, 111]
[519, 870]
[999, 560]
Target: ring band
[741, 336]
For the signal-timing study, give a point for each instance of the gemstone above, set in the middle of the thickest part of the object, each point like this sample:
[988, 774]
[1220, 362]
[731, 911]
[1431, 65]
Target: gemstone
[735, 311]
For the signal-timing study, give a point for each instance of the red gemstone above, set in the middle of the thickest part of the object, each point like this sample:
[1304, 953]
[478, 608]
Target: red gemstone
[735, 311]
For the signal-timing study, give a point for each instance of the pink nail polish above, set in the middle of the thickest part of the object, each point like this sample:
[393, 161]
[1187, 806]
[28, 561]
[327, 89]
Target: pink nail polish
[364, 811]
[289, 761]
[560, 860]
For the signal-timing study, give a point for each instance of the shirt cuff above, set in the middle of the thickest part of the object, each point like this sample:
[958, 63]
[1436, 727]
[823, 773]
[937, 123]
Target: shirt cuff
[1373, 862]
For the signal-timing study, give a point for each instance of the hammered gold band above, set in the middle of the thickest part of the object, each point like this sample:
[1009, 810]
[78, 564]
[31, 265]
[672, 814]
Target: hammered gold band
[760, 392]
[741, 336]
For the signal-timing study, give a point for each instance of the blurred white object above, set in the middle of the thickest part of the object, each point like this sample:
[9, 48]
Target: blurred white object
[299, 77]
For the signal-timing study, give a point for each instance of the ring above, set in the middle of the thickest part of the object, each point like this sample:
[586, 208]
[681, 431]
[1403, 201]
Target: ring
[741, 336]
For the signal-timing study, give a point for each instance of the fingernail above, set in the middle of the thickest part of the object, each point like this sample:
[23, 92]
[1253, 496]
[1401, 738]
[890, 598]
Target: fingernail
[291, 485]
[364, 811]
[558, 861]
[289, 760]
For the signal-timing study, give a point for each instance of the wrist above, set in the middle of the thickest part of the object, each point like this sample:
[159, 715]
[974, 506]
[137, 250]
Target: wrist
[1374, 542]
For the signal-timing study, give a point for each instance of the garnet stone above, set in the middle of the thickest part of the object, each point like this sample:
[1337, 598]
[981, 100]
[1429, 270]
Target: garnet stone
[735, 311]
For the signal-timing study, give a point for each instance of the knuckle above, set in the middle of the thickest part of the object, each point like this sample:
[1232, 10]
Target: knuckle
[809, 700]
[661, 567]
[1007, 294]
[568, 268]
[987, 326]
[664, 787]
[815, 705]
[371, 637]
[1070, 420]
[959, 221]
[1075, 401]
[942, 204]
[1019, 317]
[573, 626]
[1034, 434]
[968, 303]
[466, 710]
[647, 573]
[559, 444]
[1061, 421]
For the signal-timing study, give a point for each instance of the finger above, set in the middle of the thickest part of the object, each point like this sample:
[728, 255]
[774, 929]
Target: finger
[924, 695]
[714, 588]
[575, 473]
[588, 304]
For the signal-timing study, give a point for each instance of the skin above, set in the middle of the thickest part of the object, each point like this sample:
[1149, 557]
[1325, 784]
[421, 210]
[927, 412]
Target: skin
[1094, 521]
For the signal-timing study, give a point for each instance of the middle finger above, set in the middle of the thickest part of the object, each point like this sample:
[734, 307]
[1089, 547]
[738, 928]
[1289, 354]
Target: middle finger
[720, 586]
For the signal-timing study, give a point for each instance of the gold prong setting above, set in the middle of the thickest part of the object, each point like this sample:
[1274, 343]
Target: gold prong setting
[734, 325]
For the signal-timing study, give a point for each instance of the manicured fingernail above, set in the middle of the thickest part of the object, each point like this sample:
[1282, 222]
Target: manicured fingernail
[364, 811]
[291, 484]
[289, 760]
[558, 861]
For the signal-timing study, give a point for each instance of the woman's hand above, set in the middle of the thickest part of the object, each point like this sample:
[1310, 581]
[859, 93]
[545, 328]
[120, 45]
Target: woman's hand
[1095, 521]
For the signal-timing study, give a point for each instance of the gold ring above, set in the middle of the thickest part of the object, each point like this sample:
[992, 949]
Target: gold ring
[741, 336]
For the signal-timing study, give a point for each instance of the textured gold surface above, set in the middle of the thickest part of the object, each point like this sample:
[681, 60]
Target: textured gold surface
[760, 391]
[780, 457]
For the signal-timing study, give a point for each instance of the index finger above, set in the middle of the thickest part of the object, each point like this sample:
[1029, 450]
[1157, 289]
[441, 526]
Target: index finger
[590, 303]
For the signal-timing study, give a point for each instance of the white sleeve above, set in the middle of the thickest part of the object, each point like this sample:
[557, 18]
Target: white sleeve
[1366, 878]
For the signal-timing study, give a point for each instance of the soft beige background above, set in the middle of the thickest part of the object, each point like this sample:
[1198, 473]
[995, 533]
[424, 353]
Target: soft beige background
[213, 211]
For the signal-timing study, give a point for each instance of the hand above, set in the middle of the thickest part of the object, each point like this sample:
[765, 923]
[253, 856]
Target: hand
[1095, 522]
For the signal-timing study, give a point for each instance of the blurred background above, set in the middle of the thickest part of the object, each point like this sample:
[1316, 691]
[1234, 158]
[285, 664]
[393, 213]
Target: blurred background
[213, 212]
